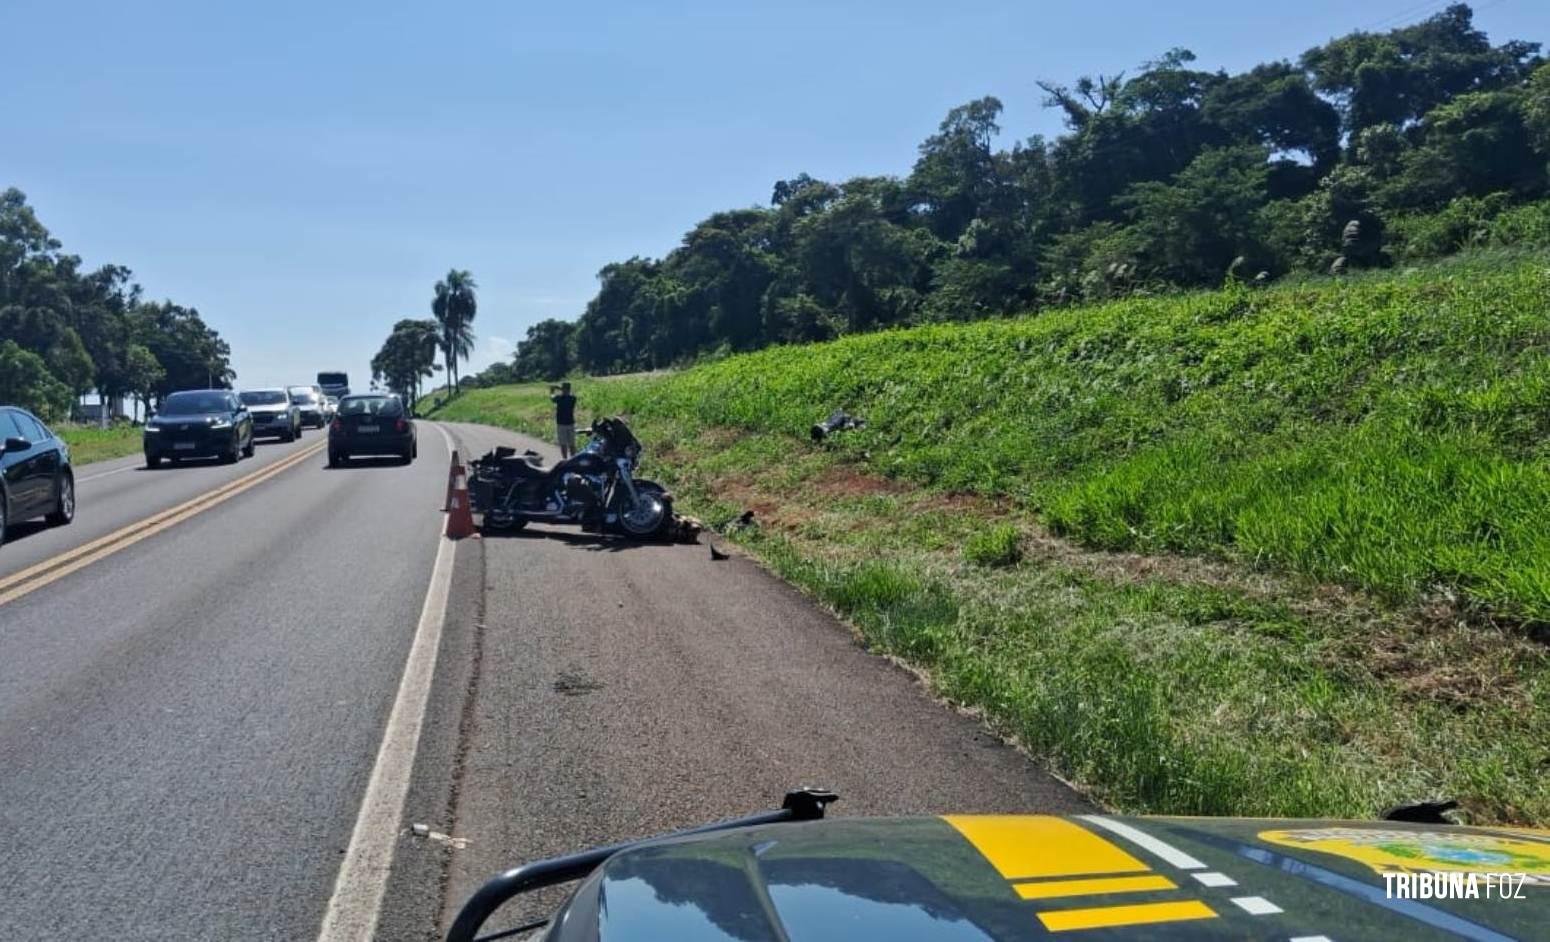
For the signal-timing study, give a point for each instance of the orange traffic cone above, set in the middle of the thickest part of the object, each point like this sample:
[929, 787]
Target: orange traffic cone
[452, 474]
[460, 516]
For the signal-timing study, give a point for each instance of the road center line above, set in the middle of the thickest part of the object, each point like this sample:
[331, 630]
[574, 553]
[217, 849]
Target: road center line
[356, 902]
[37, 576]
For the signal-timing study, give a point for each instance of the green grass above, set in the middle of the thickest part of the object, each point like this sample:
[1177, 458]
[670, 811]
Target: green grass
[89, 443]
[997, 545]
[1390, 434]
[1276, 552]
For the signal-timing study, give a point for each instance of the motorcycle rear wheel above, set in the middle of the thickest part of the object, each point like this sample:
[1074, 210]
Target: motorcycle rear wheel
[504, 522]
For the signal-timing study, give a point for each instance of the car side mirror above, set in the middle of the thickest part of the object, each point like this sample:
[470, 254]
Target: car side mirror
[15, 444]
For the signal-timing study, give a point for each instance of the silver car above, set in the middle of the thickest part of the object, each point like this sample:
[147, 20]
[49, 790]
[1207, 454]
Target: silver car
[274, 413]
[309, 400]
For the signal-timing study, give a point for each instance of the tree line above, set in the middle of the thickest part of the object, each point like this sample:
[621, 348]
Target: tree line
[66, 330]
[1170, 177]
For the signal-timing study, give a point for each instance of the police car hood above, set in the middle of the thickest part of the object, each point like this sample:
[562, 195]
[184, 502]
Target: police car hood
[979, 878]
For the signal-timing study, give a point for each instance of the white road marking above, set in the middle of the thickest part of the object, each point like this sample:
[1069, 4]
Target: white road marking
[357, 899]
[1144, 840]
[1310, 938]
[93, 477]
[1212, 878]
[1256, 905]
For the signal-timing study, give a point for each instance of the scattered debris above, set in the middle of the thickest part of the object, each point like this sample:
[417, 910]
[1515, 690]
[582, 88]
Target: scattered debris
[1433, 811]
[424, 831]
[684, 529]
[838, 421]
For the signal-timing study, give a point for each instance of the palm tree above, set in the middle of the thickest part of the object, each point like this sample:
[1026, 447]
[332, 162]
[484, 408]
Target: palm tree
[455, 306]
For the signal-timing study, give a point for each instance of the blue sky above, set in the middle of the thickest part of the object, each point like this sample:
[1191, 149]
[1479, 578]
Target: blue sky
[303, 173]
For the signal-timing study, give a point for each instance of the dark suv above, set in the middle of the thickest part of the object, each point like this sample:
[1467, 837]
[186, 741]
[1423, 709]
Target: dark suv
[35, 475]
[199, 423]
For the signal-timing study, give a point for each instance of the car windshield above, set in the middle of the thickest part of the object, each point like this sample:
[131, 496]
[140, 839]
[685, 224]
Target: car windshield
[303, 396]
[370, 405]
[331, 379]
[194, 403]
[263, 397]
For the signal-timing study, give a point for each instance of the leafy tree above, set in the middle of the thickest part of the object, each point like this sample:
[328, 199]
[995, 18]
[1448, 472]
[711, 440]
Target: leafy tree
[407, 358]
[192, 355]
[1475, 144]
[71, 364]
[956, 174]
[1399, 76]
[1190, 229]
[26, 381]
[545, 353]
[1536, 110]
[499, 374]
[455, 305]
[143, 374]
[1275, 105]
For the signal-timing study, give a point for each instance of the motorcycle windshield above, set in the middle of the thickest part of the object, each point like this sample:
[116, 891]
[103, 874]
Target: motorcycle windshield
[621, 440]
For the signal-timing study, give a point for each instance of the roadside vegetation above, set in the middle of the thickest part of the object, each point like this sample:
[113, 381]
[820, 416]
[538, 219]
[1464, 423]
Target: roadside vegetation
[1252, 551]
[89, 443]
[1374, 150]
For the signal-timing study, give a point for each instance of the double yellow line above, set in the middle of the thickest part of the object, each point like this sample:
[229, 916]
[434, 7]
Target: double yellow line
[37, 576]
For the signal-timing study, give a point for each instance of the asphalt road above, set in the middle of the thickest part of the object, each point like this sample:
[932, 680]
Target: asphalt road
[619, 690]
[188, 725]
[114, 494]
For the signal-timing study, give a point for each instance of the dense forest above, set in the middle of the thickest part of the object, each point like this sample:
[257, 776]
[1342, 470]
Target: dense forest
[1370, 150]
[65, 330]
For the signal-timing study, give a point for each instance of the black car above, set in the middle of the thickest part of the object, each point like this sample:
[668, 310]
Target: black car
[273, 412]
[371, 425]
[199, 423]
[35, 475]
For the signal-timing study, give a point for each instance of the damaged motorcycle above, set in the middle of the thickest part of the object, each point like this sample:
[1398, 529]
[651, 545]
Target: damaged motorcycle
[595, 488]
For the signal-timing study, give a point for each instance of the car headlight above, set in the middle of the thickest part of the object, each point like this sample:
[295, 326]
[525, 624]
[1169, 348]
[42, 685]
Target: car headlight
[153, 428]
[220, 423]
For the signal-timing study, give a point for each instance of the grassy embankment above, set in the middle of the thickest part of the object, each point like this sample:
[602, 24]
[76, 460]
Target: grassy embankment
[89, 443]
[1278, 552]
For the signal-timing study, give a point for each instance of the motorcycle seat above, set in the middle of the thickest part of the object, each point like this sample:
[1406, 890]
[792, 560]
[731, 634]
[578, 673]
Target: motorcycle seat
[507, 463]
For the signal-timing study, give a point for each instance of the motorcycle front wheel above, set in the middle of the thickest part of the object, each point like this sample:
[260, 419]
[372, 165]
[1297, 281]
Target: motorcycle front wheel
[650, 513]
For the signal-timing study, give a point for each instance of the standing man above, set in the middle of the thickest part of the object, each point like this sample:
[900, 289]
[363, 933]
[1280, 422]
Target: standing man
[564, 419]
